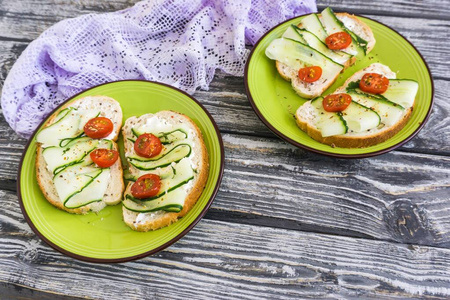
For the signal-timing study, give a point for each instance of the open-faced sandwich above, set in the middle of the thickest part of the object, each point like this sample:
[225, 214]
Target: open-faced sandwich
[312, 54]
[371, 107]
[168, 169]
[77, 162]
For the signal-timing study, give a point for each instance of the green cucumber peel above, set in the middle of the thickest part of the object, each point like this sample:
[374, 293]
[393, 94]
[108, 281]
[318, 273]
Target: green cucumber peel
[163, 136]
[358, 40]
[320, 53]
[167, 208]
[162, 165]
[130, 197]
[353, 87]
[79, 191]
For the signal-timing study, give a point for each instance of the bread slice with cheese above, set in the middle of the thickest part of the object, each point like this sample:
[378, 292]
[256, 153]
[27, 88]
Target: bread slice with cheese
[305, 47]
[182, 166]
[63, 165]
[394, 112]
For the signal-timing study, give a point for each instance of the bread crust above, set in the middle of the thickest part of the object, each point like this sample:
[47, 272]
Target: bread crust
[115, 187]
[169, 218]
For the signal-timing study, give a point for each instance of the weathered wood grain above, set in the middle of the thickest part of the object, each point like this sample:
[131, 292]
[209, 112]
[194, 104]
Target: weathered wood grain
[430, 9]
[227, 102]
[277, 227]
[425, 34]
[369, 196]
[248, 262]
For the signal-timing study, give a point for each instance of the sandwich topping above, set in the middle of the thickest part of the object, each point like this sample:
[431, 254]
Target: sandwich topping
[162, 161]
[371, 103]
[310, 74]
[374, 83]
[79, 164]
[99, 127]
[147, 145]
[104, 158]
[146, 186]
[336, 102]
[338, 41]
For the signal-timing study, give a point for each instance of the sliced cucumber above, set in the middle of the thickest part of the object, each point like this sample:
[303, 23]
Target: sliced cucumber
[165, 137]
[388, 111]
[66, 126]
[360, 118]
[73, 180]
[86, 115]
[402, 91]
[171, 202]
[174, 155]
[313, 41]
[332, 25]
[92, 192]
[298, 55]
[293, 34]
[163, 173]
[59, 158]
[313, 24]
[328, 123]
[171, 190]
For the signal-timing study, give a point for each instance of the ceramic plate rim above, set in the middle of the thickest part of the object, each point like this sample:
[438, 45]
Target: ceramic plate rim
[326, 153]
[146, 253]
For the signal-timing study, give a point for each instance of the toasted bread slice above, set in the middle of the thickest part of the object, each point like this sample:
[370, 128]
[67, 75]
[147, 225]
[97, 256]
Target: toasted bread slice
[111, 109]
[305, 117]
[145, 221]
[314, 89]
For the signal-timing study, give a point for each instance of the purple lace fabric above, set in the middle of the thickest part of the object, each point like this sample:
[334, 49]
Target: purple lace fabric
[180, 43]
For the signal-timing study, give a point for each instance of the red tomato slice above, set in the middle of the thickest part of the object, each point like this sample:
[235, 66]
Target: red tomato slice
[310, 74]
[336, 102]
[104, 158]
[146, 186]
[374, 83]
[338, 40]
[98, 128]
[147, 145]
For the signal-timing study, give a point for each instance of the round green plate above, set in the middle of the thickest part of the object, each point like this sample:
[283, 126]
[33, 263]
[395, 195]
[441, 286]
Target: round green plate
[275, 102]
[104, 237]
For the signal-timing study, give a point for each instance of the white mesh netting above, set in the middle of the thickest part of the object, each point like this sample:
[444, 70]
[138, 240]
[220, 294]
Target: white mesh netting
[180, 43]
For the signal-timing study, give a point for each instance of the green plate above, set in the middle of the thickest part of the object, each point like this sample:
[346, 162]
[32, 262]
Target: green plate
[275, 102]
[104, 237]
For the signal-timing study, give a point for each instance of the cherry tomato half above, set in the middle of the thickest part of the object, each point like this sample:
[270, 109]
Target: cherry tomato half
[98, 128]
[146, 186]
[336, 102]
[374, 83]
[104, 158]
[310, 74]
[147, 145]
[338, 40]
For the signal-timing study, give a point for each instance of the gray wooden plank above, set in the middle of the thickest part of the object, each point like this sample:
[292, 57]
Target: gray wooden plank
[248, 262]
[430, 9]
[17, 292]
[228, 104]
[267, 178]
[397, 196]
[425, 34]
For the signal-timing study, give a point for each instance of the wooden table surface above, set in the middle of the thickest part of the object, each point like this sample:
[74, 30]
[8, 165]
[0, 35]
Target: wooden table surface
[286, 223]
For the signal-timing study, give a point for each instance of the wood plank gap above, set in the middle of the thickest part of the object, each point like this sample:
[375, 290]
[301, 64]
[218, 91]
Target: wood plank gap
[17, 291]
[11, 39]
